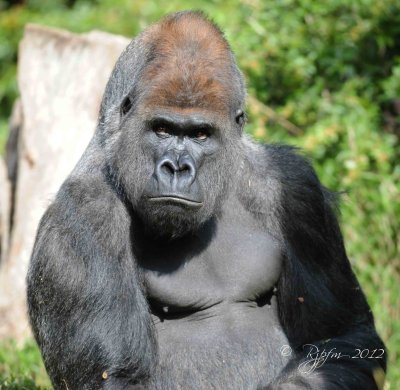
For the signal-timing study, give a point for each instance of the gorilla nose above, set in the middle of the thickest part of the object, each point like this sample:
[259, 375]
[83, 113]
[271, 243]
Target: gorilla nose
[178, 171]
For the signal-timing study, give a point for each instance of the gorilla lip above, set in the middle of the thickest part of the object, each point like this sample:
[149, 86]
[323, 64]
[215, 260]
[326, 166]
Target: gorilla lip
[176, 200]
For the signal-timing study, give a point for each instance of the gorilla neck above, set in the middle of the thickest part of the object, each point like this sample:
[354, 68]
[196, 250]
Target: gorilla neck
[174, 248]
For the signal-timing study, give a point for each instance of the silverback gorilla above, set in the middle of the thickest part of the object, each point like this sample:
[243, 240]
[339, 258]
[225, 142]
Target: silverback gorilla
[180, 255]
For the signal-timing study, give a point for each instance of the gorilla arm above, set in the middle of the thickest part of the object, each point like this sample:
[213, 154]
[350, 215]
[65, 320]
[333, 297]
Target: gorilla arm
[86, 306]
[319, 299]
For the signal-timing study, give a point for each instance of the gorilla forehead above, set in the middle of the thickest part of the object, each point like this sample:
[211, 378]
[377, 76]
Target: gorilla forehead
[190, 64]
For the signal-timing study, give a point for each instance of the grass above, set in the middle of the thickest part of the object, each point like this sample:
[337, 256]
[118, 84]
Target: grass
[21, 367]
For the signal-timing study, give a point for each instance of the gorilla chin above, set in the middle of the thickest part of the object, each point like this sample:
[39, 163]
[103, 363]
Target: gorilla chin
[171, 216]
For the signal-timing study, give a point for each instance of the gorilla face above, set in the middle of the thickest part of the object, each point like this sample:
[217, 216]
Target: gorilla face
[179, 144]
[177, 173]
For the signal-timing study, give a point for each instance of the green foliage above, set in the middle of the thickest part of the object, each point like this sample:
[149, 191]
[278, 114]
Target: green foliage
[21, 367]
[331, 69]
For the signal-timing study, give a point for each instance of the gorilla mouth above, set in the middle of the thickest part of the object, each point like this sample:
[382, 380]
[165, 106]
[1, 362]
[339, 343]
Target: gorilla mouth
[176, 200]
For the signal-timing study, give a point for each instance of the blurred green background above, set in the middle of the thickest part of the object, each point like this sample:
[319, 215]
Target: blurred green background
[324, 76]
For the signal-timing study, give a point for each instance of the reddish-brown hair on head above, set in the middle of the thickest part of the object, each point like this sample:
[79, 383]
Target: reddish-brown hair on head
[191, 64]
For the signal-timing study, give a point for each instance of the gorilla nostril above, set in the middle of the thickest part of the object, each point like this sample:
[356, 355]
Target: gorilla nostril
[168, 168]
[185, 168]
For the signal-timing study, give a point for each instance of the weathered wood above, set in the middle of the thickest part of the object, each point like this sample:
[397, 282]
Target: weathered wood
[61, 79]
[4, 211]
[15, 124]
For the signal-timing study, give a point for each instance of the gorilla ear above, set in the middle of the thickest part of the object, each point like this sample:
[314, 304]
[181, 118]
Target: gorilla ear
[240, 117]
[126, 105]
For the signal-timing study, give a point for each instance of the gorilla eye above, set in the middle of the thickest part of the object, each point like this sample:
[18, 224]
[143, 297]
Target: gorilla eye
[126, 105]
[202, 135]
[239, 117]
[162, 131]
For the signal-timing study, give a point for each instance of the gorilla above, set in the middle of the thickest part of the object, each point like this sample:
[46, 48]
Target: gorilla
[179, 254]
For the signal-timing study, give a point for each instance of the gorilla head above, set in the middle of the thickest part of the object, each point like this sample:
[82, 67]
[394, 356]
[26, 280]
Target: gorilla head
[179, 120]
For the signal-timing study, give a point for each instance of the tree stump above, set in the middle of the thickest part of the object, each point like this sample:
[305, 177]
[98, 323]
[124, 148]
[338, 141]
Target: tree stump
[5, 197]
[61, 79]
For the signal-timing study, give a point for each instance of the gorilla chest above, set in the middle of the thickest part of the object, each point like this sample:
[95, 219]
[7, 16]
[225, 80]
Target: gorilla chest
[239, 264]
[214, 320]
